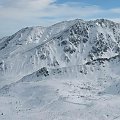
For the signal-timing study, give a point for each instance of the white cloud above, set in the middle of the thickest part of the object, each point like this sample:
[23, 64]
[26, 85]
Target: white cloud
[65, 10]
[16, 9]
[22, 9]
[29, 9]
[116, 10]
[25, 4]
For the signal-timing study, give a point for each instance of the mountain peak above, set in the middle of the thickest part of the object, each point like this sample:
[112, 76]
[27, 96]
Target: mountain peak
[66, 43]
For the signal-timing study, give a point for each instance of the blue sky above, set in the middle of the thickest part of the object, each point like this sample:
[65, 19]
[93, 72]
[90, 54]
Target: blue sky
[103, 3]
[16, 14]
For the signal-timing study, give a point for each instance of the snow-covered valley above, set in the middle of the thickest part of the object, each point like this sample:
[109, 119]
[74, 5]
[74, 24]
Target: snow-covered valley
[68, 71]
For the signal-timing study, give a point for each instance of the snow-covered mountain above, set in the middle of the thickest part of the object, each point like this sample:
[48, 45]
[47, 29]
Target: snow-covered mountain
[67, 71]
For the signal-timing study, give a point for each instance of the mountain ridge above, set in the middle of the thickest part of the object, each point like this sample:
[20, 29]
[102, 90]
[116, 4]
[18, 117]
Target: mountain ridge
[72, 38]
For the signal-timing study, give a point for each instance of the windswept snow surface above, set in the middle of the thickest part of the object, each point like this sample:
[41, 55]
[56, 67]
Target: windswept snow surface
[68, 71]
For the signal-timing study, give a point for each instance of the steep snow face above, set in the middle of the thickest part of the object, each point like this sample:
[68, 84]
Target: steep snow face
[13, 49]
[61, 45]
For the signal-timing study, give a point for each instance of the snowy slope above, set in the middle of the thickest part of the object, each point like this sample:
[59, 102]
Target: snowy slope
[70, 93]
[67, 71]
